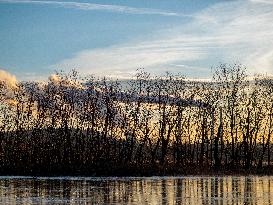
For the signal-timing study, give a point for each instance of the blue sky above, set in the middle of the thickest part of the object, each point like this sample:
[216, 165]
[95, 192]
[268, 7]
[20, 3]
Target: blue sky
[114, 38]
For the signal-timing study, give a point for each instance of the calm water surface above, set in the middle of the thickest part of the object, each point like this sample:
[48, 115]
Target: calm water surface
[150, 190]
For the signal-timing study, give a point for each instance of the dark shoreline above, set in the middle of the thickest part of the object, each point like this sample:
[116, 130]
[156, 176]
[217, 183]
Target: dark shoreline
[134, 172]
[114, 177]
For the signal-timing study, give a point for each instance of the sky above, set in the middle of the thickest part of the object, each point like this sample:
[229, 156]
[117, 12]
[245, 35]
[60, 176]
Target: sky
[115, 38]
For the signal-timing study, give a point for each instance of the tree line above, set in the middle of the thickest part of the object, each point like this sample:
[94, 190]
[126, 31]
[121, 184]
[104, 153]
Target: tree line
[149, 125]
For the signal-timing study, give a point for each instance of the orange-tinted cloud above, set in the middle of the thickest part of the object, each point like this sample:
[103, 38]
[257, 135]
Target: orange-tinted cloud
[8, 79]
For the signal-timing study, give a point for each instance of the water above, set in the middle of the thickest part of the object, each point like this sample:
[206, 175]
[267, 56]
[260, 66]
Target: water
[150, 190]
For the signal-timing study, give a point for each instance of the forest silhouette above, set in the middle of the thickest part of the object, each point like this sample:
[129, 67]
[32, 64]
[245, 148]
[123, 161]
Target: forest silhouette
[149, 125]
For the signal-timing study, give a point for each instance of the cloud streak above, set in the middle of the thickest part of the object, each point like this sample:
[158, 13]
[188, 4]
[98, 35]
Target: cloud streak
[125, 59]
[226, 32]
[96, 7]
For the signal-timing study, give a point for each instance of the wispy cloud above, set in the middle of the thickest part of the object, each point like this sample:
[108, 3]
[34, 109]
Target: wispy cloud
[125, 59]
[262, 1]
[98, 7]
[226, 32]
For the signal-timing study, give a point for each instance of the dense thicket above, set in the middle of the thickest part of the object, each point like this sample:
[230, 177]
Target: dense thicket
[146, 126]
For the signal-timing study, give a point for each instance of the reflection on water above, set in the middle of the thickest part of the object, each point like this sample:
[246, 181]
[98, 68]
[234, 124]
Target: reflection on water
[151, 190]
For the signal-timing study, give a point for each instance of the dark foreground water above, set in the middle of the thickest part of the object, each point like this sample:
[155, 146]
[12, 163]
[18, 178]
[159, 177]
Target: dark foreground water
[150, 190]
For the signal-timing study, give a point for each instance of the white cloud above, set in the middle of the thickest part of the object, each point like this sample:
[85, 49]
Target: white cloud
[124, 60]
[262, 1]
[226, 32]
[99, 7]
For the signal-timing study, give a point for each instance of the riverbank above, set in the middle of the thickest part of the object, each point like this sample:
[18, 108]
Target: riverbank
[134, 171]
